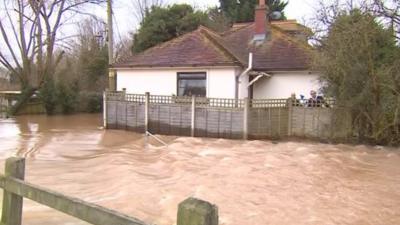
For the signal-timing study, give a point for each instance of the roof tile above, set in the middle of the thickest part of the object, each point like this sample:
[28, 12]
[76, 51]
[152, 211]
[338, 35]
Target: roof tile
[204, 47]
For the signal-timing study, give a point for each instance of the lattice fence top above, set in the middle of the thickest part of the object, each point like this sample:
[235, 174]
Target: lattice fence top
[323, 103]
[268, 103]
[220, 102]
[165, 99]
[114, 96]
[135, 98]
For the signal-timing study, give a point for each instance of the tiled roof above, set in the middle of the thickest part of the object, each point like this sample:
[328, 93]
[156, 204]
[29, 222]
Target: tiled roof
[279, 52]
[203, 47]
[191, 49]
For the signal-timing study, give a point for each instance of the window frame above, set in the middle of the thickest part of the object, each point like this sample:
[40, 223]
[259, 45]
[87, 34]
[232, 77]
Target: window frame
[204, 73]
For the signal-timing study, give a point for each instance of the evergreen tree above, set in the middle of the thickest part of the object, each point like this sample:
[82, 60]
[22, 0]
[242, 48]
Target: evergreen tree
[243, 10]
[165, 23]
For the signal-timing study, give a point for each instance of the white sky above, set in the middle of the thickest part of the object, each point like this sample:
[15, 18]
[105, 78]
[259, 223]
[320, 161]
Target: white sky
[126, 22]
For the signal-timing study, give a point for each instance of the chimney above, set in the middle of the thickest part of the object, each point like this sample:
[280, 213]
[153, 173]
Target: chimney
[261, 22]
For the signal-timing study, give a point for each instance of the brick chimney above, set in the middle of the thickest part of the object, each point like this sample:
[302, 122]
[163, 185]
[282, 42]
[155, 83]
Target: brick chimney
[261, 21]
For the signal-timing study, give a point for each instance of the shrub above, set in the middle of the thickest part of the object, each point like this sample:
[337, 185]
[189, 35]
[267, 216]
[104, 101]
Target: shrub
[95, 103]
[67, 97]
[48, 94]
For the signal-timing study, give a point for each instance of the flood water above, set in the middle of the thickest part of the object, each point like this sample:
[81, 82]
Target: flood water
[252, 182]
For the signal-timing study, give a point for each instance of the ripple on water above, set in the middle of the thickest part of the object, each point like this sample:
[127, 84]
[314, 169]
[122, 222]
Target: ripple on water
[252, 182]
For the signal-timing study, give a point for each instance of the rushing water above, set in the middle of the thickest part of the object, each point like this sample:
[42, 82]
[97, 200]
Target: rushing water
[252, 182]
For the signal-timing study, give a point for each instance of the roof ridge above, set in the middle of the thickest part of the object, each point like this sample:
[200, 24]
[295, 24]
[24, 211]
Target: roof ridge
[157, 46]
[285, 21]
[208, 34]
[230, 31]
[291, 38]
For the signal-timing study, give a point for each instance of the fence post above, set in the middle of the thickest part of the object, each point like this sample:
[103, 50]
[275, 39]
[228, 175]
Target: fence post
[290, 115]
[125, 103]
[197, 212]
[105, 109]
[123, 94]
[246, 110]
[146, 111]
[193, 116]
[12, 203]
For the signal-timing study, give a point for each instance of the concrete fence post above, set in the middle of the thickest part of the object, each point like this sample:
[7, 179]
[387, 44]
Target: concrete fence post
[105, 109]
[123, 96]
[12, 203]
[290, 115]
[197, 212]
[146, 111]
[246, 110]
[193, 124]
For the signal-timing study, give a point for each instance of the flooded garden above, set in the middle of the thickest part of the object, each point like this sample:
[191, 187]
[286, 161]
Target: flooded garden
[252, 182]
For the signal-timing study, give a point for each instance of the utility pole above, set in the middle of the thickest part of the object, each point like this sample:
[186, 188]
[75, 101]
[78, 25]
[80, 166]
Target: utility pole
[111, 72]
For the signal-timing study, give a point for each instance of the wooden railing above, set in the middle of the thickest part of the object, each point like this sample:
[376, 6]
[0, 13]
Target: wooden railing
[15, 189]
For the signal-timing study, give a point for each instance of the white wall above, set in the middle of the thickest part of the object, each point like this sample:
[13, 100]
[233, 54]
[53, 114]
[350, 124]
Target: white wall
[283, 84]
[243, 86]
[220, 82]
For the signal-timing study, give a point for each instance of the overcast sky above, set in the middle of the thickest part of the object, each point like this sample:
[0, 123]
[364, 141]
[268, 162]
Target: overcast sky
[126, 22]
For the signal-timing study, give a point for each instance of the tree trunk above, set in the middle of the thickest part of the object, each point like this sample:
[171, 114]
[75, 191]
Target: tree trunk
[26, 95]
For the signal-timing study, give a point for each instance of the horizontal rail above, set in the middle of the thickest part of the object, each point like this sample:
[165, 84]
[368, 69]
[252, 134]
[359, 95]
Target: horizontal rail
[77, 208]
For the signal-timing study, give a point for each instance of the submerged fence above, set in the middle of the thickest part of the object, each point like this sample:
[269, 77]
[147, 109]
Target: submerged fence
[222, 118]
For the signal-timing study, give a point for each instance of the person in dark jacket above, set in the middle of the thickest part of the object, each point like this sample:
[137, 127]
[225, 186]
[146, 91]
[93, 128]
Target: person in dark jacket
[316, 101]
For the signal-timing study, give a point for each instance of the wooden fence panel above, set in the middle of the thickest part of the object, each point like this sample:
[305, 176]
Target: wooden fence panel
[218, 123]
[112, 114]
[172, 119]
[268, 122]
[135, 117]
[200, 122]
[318, 122]
[237, 124]
[222, 118]
[121, 115]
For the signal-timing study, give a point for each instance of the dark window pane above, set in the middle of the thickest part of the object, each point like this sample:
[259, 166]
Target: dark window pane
[192, 84]
[192, 76]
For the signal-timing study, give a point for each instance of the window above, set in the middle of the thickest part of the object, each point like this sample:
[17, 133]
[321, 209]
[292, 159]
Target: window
[192, 84]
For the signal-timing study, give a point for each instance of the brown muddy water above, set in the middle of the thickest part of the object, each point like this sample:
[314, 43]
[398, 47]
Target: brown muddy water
[252, 182]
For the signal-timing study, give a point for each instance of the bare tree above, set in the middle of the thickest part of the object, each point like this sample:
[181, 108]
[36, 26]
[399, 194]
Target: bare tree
[29, 30]
[326, 13]
[124, 48]
[389, 11]
[142, 7]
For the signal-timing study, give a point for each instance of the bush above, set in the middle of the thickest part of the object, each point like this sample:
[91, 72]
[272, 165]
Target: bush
[48, 94]
[67, 97]
[95, 103]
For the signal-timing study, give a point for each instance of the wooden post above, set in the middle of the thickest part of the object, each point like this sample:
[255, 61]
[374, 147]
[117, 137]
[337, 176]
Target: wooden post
[290, 115]
[197, 212]
[105, 109]
[246, 111]
[146, 111]
[193, 116]
[110, 36]
[12, 203]
[123, 97]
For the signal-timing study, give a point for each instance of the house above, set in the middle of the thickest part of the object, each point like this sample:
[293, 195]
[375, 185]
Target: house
[260, 60]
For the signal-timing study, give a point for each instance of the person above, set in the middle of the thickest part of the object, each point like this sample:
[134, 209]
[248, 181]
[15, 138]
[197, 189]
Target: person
[312, 101]
[316, 101]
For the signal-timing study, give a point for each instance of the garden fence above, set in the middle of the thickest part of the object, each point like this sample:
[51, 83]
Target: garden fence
[223, 118]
